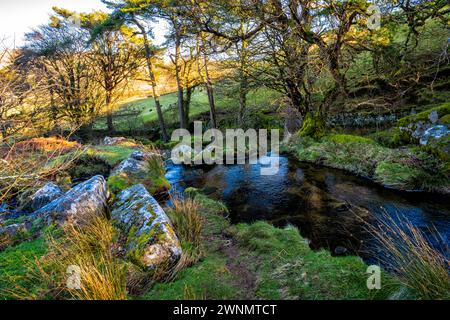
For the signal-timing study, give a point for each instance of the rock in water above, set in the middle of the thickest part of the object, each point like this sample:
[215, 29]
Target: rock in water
[80, 203]
[45, 195]
[140, 168]
[148, 234]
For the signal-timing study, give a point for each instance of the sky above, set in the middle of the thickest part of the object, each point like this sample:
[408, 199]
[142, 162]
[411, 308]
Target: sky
[18, 17]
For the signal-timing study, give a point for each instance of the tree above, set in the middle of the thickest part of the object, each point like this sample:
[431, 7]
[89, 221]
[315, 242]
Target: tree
[127, 12]
[57, 54]
[112, 54]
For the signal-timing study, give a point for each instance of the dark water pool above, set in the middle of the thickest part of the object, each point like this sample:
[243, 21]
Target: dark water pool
[317, 200]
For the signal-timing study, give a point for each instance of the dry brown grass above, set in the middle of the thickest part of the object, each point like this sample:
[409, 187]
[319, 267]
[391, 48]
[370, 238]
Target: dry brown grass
[416, 264]
[102, 274]
[188, 224]
[31, 168]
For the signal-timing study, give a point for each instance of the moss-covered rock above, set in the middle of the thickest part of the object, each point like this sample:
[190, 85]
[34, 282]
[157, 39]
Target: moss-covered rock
[140, 167]
[149, 238]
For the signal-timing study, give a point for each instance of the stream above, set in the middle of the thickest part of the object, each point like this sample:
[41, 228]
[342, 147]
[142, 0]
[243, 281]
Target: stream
[317, 201]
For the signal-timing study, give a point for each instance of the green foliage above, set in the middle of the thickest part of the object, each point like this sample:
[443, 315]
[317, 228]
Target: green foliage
[313, 126]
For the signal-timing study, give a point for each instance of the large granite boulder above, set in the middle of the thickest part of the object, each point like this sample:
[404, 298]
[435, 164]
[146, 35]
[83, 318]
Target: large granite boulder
[148, 237]
[78, 205]
[44, 196]
[140, 168]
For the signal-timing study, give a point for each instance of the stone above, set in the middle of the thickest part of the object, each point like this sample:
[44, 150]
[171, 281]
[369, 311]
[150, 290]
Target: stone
[149, 238]
[340, 251]
[433, 117]
[44, 196]
[15, 233]
[138, 169]
[108, 141]
[434, 133]
[78, 205]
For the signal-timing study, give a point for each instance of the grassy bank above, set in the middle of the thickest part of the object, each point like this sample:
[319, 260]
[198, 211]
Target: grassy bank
[260, 261]
[407, 168]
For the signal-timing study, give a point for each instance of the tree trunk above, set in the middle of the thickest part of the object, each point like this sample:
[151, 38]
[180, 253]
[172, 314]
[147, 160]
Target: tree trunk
[151, 71]
[242, 100]
[109, 115]
[208, 86]
[187, 105]
[178, 77]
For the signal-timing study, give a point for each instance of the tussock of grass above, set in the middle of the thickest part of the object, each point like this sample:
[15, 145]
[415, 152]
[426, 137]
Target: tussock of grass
[188, 224]
[423, 270]
[90, 249]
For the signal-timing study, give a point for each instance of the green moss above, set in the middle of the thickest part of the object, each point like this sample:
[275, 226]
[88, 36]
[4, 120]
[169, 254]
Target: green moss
[395, 174]
[209, 279]
[313, 126]
[347, 138]
[287, 268]
[406, 168]
[442, 111]
[14, 266]
[113, 154]
[117, 184]
[445, 119]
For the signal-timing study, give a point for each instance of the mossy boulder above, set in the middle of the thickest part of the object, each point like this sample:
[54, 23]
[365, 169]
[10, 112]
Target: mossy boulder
[140, 168]
[148, 236]
[78, 205]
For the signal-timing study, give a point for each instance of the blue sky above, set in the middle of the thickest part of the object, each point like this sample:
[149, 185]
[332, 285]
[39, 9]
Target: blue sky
[17, 17]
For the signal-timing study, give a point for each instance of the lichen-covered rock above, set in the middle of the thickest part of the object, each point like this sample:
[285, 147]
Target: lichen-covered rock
[14, 233]
[76, 206]
[45, 195]
[108, 141]
[140, 168]
[149, 238]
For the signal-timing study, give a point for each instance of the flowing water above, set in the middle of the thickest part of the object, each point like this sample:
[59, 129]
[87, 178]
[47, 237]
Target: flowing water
[319, 201]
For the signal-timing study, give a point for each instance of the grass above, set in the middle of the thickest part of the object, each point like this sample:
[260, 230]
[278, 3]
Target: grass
[188, 224]
[89, 249]
[146, 111]
[113, 154]
[420, 268]
[283, 265]
[288, 269]
[15, 265]
[410, 168]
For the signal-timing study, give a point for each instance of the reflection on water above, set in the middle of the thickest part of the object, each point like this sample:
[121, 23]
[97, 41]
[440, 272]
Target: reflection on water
[323, 203]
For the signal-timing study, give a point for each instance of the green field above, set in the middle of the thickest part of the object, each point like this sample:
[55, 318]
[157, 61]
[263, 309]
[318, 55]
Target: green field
[142, 112]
